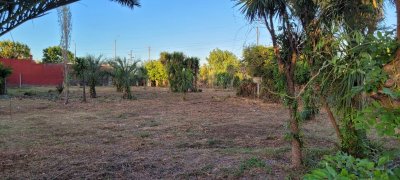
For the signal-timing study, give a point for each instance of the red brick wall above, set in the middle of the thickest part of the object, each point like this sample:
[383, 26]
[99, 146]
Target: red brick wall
[33, 74]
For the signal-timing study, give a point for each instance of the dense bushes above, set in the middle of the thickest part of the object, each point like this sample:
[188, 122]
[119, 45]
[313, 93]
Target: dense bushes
[123, 75]
[182, 72]
[4, 73]
[156, 72]
[343, 166]
[222, 70]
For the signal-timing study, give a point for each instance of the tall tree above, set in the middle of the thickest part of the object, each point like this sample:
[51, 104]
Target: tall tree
[255, 58]
[54, 55]
[156, 71]
[14, 50]
[181, 71]
[285, 48]
[80, 69]
[15, 12]
[64, 18]
[220, 64]
[193, 63]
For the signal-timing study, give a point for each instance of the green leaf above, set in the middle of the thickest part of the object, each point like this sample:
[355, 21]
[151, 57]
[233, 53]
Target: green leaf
[389, 92]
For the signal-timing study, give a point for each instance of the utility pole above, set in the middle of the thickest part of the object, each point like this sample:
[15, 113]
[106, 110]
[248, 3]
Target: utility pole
[258, 36]
[115, 49]
[75, 51]
[131, 56]
[149, 53]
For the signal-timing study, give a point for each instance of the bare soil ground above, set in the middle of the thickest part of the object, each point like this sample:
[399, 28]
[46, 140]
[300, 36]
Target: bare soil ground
[208, 135]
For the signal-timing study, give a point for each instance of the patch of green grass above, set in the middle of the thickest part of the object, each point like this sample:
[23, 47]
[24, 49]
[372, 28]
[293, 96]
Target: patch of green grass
[150, 123]
[240, 150]
[39, 92]
[4, 128]
[214, 143]
[189, 145]
[276, 152]
[314, 155]
[143, 134]
[122, 116]
[252, 163]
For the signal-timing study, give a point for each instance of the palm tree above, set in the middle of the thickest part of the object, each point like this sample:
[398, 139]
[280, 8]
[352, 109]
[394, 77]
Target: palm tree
[4, 73]
[266, 11]
[93, 73]
[80, 69]
[194, 65]
[123, 74]
[16, 12]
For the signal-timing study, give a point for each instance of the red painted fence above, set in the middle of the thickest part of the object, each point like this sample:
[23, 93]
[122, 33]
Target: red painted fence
[29, 73]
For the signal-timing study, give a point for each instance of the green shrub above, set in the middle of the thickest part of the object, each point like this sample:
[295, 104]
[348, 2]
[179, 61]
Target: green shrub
[223, 79]
[343, 166]
[302, 73]
[251, 163]
[182, 72]
[60, 88]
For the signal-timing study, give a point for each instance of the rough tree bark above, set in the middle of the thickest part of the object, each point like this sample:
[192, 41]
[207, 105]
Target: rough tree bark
[331, 118]
[287, 69]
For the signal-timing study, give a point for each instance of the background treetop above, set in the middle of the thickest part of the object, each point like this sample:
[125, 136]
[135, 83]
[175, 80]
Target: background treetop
[54, 55]
[14, 50]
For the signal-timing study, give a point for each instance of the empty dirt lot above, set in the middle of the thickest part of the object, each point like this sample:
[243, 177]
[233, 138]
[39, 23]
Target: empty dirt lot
[212, 134]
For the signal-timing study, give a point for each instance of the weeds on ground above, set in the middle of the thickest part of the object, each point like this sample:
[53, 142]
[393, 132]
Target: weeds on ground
[250, 164]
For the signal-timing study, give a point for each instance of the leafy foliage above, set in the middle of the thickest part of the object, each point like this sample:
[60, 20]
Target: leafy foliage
[54, 55]
[140, 77]
[223, 68]
[14, 50]
[386, 121]
[80, 69]
[256, 58]
[181, 71]
[123, 75]
[343, 166]
[156, 71]
[93, 73]
[4, 73]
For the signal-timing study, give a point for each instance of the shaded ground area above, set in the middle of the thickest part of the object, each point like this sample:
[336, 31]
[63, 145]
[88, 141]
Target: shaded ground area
[212, 134]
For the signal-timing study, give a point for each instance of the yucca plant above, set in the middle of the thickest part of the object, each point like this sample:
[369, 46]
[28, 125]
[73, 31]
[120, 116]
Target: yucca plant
[4, 73]
[123, 75]
[80, 70]
[94, 73]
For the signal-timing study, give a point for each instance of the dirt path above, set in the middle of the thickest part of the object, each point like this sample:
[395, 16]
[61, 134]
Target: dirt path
[212, 134]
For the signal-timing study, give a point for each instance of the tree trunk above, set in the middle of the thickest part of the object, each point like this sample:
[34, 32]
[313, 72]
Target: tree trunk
[93, 91]
[127, 93]
[288, 71]
[2, 87]
[84, 88]
[195, 80]
[331, 118]
[66, 83]
[294, 123]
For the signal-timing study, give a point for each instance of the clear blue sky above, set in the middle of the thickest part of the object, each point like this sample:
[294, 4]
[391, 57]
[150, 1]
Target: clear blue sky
[194, 27]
